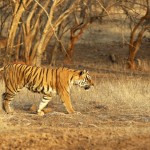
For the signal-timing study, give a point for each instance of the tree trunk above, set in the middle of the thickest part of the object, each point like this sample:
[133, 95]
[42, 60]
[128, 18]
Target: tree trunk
[49, 29]
[54, 54]
[57, 46]
[18, 46]
[19, 9]
[135, 44]
[74, 36]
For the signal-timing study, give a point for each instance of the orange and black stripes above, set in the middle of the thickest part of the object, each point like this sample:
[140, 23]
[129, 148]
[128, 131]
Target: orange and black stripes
[48, 81]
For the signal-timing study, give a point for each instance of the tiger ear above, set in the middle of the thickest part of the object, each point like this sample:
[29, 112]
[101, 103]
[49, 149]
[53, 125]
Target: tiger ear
[82, 72]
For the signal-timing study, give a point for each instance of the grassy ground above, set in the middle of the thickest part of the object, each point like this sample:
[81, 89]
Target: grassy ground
[115, 114]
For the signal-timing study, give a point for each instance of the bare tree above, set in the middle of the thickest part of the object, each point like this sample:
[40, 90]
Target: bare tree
[137, 34]
[81, 21]
[18, 10]
[89, 12]
[52, 24]
[35, 24]
[27, 28]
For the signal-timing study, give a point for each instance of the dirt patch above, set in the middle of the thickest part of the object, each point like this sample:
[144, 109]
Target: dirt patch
[96, 127]
[63, 131]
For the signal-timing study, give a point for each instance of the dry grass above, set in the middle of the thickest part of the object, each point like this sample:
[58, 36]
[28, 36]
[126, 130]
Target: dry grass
[127, 93]
[120, 95]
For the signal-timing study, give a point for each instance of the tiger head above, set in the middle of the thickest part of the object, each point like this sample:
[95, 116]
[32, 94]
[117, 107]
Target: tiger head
[83, 79]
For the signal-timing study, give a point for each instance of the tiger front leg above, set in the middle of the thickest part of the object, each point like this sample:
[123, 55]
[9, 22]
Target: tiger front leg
[67, 103]
[45, 100]
[7, 98]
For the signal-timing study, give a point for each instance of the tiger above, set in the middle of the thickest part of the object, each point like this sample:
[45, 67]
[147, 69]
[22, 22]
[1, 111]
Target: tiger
[47, 81]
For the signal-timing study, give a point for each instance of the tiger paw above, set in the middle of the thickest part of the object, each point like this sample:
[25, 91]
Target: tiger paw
[40, 113]
[77, 113]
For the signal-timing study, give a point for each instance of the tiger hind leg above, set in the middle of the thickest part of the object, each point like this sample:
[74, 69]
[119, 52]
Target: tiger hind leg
[7, 98]
[45, 100]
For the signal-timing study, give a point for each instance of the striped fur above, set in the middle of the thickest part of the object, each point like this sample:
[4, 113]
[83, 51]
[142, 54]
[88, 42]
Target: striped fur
[47, 81]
